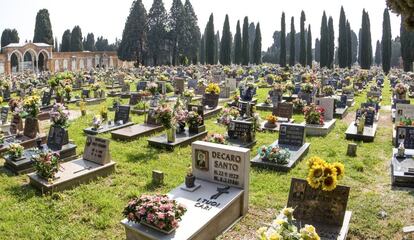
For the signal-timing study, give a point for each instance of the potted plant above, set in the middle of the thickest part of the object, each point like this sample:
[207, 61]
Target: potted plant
[284, 228]
[68, 91]
[229, 113]
[328, 90]
[180, 116]
[46, 165]
[188, 96]
[212, 91]
[314, 114]
[190, 178]
[60, 92]
[152, 87]
[31, 110]
[156, 211]
[195, 122]
[298, 105]
[15, 151]
[274, 154]
[400, 91]
[164, 114]
[215, 138]
[59, 115]
[290, 88]
[271, 121]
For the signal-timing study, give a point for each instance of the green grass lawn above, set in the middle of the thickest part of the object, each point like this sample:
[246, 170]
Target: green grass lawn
[93, 211]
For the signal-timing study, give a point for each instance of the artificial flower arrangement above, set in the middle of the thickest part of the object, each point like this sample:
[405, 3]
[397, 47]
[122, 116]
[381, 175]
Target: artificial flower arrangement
[239, 71]
[188, 94]
[400, 89]
[194, 119]
[180, 117]
[215, 138]
[31, 106]
[306, 88]
[96, 122]
[284, 228]
[46, 165]
[68, 90]
[152, 88]
[271, 119]
[256, 120]
[274, 154]
[158, 211]
[59, 115]
[328, 90]
[270, 77]
[164, 114]
[229, 113]
[277, 87]
[15, 151]
[162, 77]
[324, 175]
[290, 87]
[213, 88]
[314, 114]
[103, 111]
[404, 121]
[298, 105]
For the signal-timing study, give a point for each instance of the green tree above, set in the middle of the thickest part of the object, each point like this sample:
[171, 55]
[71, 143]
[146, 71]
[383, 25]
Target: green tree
[202, 50]
[9, 36]
[354, 44]
[245, 42]
[210, 39]
[216, 47]
[342, 41]
[292, 42]
[56, 48]
[43, 28]
[302, 56]
[318, 50]
[157, 30]
[331, 43]
[359, 45]
[257, 46]
[309, 47]
[76, 44]
[192, 35]
[378, 57]
[90, 42]
[225, 45]
[65, 43]
[238, 45]
[366, 46]
[324, 49]
[386, 48]
[282, 57]
[407, 47]
[133, 45]
[252, 35]
[102, 45]
[177, 28]
[349, 44]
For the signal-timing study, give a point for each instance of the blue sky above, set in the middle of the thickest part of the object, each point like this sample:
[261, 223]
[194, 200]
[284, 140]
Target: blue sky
[107, 17]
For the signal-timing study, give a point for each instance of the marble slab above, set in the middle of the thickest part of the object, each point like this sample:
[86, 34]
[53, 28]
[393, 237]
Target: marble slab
[106, 128]
[367, 135]
[135, 131]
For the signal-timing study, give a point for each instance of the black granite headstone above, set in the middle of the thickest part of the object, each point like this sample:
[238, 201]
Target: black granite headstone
[342, 102]
[405, 134]
[57, 137]
[369, 117]
[283, 110]
[46, 98]
[151, 119]
[292, 135]
[142, 85]
[135, 98]
[242, 131]
[4, 114]
[85, 93]
[122, 114]
[401, 101]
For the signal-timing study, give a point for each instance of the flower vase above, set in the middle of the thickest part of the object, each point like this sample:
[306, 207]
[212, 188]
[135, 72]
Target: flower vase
[400, 96]
[360, 127]
[190, 181]
[181, 127]
[171, 135]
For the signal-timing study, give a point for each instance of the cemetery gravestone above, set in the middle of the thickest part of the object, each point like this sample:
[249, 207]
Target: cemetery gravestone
[404, 111]
[292, 135]
[135, 98]
[85, 93]
[179, 85]
[162, 89]
[242, 131]
[231, 83]
[122, 114]
[399, 101]
[405, 135]
[342, 103]
[57, 137]
[142, 85]
[283, 110]
[4, 114]
[210, 101]
[46, 98]
[369, 117]
[16, 124]
[328, 105]
[192, 84]
[97, 150]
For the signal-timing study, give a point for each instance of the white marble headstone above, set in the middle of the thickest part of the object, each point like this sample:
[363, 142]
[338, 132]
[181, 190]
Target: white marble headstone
[326, 103]
[231, 83]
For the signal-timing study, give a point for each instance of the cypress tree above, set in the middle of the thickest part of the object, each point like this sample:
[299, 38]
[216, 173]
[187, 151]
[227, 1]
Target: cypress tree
[309, 48]
[65, 43]
[157, 30]
[378, 54]
[209, 40]
[342, 41]
[366, 47]
[324, 49]
[134, 37]
[292, 42]
[282, 57]
[386, 42]
[43, 28]
[9, 36]
[56, 48]
[216, 47]
[354, 44]
[252, 35]
[225, 46]
[176, 25]
[349, 44]
[245, 42]
[76, 44]
[257, 46]
[331, 43]
[407, 47]
[238, 45]
[192, 35]
[90, 42]
[203, 50]
[359, 45]
[318, 50]
[302, 56]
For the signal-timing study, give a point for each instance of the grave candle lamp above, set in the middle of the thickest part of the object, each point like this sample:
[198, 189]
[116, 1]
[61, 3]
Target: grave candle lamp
[190, 178]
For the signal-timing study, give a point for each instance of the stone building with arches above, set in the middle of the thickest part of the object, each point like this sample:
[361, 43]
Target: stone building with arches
[37, 57]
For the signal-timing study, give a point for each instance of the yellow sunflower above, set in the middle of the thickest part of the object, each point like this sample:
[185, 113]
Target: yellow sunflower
[329, 183]
[329, 170]
[315, 176]
[315, 161]
[340, 170]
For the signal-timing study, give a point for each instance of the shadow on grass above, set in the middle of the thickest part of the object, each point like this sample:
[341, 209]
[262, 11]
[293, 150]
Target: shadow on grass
[22, 192]
[150, 186]
[5, 171]
[147, 154]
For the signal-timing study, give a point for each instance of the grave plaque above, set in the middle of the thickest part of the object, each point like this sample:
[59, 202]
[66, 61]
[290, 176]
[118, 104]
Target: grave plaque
[142, 85]
[85, 93]
[326, 103]
[405, 135]
[122, 114]
[57, 137]
[221, 164]
[292, 135]
[31, 127]
[192, 84]
[97, 150]
[404, 111]
[231, 83]
[400, 101]
[369, 117]
[151, 119]
[16, 124]
[46, 98]
[317, 206]
[283, 110]
[179, 85]
[342, 102]
[162, 89]
[245, 108]
[4, 114]
[135, 98]
[241, 130]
